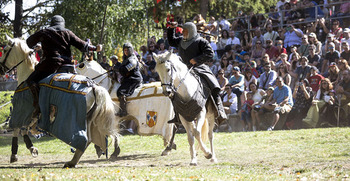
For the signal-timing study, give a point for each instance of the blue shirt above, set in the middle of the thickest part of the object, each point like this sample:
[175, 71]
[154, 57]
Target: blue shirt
[280, 94]
[312, 11]
[234, 81]
[267, 79]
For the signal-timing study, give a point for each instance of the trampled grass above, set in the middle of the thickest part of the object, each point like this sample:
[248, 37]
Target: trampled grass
[313, 154]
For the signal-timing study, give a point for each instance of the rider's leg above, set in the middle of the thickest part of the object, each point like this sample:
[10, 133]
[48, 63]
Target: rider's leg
[221, 111]
[175, 119]
[122, 111]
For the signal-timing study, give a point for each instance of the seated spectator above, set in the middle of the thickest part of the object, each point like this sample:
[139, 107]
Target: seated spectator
[221, 44]
[344, 10]
[274, 16]
[283, 72]
[287, 13]
[233, 40]
[258, 95]
[335, 29]
[104, 64]
[346, 37]
[331, 56]
[315, 79]
[148, 66]
[245, 112]
[331, 39]
[152, 49]
[268, 78]
[240, 22]
[310, 28]
[314, 59]
[162, 48]
[343, 66]
[223, 23]
[314, 41]
[144, 52]
[199, 21]
[311, 11]
[270, 34]
[333, 73]
[303, 71]
[213, 45]
[282, 101]
[265, 105]
[224, 64]
[271, 50]
[346, 52]
[229, 53]
[297, 14]
[240, 53]
[249, 78]
[237, 82]
[292, 37]
[281, 60]
[303, 97]
[303, 49]
[258, 37]
[258, 51]
[212, 26]
[343, 88]
[322, 96]
[164, 40]
[213, 67]
[246, 41]
[223, 81]
[229, 101]
[265, 60]
[280, 48]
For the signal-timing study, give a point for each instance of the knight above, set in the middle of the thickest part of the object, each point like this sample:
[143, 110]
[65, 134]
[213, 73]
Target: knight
[196, 51]
[131, 77]
[56, 41]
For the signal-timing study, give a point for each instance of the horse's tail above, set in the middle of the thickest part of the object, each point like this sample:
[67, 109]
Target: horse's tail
[103, 117]
[205, 131]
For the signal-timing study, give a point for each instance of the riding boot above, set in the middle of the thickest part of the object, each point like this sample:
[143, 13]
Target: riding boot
[122, 111]
[34, 88]
[175, 120]
[220, 108]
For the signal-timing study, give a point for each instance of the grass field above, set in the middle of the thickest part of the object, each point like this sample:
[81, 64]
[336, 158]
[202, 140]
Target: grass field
[5, 97]
[314, 154]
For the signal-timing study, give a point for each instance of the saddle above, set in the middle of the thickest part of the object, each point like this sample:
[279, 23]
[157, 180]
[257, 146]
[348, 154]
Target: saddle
[190, 109]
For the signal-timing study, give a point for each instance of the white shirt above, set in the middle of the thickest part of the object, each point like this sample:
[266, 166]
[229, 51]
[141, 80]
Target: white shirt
[233, 42]
[272, 36]
[233, 100]
[225, 24]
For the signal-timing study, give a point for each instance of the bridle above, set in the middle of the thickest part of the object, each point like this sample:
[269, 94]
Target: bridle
[2, 64]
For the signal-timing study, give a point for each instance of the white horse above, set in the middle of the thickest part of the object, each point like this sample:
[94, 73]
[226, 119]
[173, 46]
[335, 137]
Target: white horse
[146, 100]
[175, 76]
[100, 123]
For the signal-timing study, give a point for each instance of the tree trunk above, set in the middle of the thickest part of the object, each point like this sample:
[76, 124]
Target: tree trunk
[17, 25]
[204, 8]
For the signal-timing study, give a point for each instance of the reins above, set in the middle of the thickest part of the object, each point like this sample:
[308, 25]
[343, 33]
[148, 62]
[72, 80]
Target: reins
[182, 80]
[101, 74]
[171, 84]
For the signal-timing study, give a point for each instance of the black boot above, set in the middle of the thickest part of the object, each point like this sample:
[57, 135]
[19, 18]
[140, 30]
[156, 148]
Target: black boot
[34, 88]
[122, 111]
[220, 108]
[175, 120]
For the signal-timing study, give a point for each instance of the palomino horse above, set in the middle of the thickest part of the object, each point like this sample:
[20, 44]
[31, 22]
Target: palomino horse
[148, 107]
[175, 78]
[101, 121]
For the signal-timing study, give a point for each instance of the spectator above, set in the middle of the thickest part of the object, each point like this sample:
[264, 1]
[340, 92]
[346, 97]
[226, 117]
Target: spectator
[246, 112]
[280, 6]
[271, 50]
[164, 40]
[314, 59]
[311, 10]
[314, 41]
[144, 52]
[258, 51]
[213, 45]
[223, 81]
[258, 36]
[162, 48]
[246, 41]
[287, 13]
[224, 64]
[222, 42]
[331, 56]
[282, 101]
[237, 81]
[346, 51]
[343, 88]
[199, 21]
[229, 53]
[303, 49]
[315, 79]
[303, 71]
[335, 30]
[152, 48]
[104, 64]
[281, 60]
[115, 74]
[224, 24]
[270, 34]
[280, 48]
[343, 66]
[344, 10]
[283, 72]
[233, 40]
[333, 73]
[274, 16]
[258, 94]
[213, 67]
[240, 53]
[265, 60]
[346, 37]
[297, 13]
[292, 37]
[331, 39]
[249, 78]
[310, 28]
[229, 101]
[280, 32]
[303, 96]
[212, 26]
[240, 23]
[268, 78]
[264, 106]
[322, 96]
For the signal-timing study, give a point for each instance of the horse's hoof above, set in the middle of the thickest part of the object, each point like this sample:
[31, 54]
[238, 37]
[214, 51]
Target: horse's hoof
[209, 156]
[165, 152]
[214, 160]
[13, 158]
[68, 165]
[98, 151]
[34, 151]
[193, 164]
[115, 154]
[173, 146]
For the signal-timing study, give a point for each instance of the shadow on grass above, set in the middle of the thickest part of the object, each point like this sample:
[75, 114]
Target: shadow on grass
[6, 140]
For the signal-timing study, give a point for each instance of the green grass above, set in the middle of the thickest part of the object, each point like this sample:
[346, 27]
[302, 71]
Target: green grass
[313, 154]
[5, 97]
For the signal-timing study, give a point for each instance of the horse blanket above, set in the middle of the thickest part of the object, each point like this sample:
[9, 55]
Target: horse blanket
[62, 101]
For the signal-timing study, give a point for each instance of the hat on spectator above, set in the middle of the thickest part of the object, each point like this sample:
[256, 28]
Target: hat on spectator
[330, 35]
[270, 88]
[312, 35]
[333, 64]
[314, 68]
[346, 30]
[331, 44]
[114, 57]
[236, 68]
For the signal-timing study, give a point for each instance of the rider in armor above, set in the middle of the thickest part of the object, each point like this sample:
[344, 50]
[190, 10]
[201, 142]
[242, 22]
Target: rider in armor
[56, 41]
[132, 77]
[196, 51]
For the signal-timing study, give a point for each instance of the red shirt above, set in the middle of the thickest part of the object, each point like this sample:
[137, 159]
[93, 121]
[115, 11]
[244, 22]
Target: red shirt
[315, 81]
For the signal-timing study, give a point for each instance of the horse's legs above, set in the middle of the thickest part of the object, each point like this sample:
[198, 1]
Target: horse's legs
[171, 144]
[189, 126]
[116, 149]
[14, 146]
[211, 137]
[197, 131]
[77, 155]
[34, 151]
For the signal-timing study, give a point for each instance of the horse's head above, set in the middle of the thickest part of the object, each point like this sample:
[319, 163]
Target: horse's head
[166, 71]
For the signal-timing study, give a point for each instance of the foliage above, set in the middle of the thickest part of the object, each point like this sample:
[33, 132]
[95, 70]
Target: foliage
[308, 154]
[5, 97]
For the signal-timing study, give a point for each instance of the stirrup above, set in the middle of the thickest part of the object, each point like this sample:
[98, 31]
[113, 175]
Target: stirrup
[174, 120]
